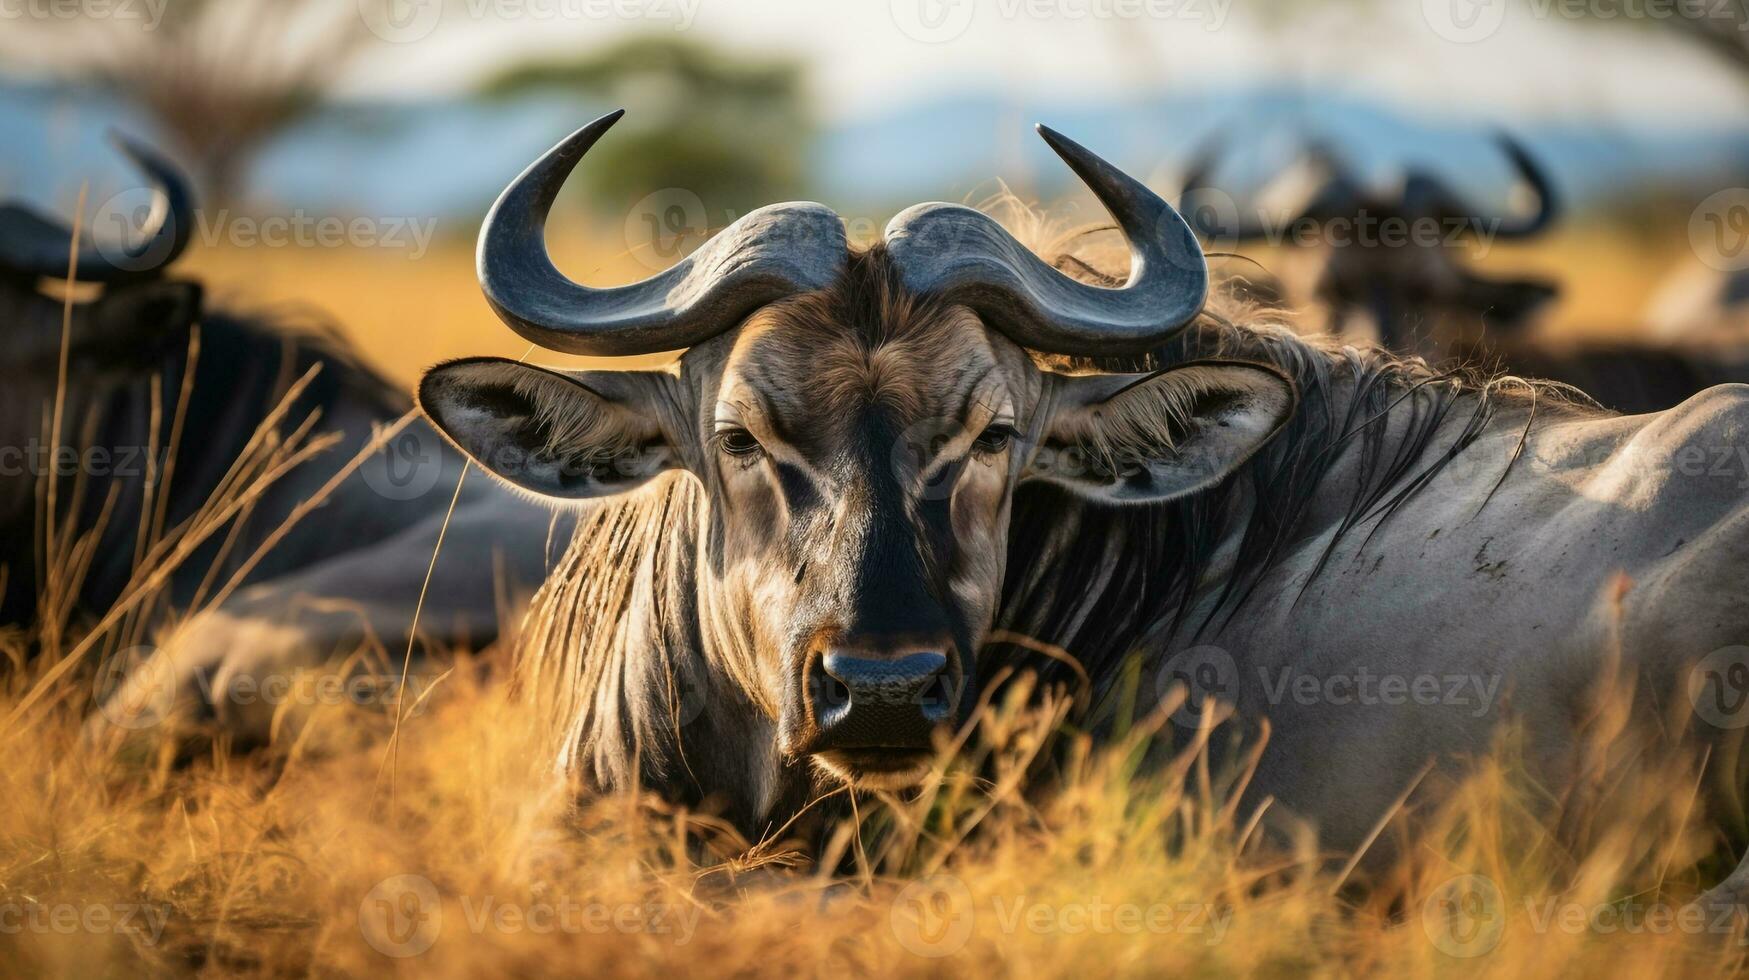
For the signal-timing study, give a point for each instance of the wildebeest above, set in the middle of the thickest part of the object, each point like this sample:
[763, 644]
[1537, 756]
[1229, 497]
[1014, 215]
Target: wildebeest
[1392, 258]
[796, 547]
[1392, 253]
[163, 393]
[870, 459]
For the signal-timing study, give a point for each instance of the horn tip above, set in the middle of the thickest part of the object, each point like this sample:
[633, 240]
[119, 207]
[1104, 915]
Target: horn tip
[1072, 153]
[123, 142]
[593, 129]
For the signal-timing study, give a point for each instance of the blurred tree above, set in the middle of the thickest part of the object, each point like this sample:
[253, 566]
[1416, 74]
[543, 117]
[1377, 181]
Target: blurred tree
[729, 129]
[221, 76]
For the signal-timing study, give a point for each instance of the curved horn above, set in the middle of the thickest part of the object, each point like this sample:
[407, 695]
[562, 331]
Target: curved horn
[1430, 193]
[33, 244]
[1547, 199]
[768, 254]
[967, 256]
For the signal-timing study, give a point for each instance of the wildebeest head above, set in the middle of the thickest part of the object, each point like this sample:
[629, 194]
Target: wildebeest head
[859, 421]
[135, 309]
[1397, 254]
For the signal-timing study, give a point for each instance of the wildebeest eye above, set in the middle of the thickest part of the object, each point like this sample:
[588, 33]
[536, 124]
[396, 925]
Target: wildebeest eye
[995, 438]
[737, 442]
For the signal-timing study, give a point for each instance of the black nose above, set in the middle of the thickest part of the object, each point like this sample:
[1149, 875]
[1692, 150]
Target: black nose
[868, 701]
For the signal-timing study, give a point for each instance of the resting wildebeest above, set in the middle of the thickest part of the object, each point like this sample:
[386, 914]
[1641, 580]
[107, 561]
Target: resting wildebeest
[1391, 252]
[354, 564]
[868, 460]
[1392, 258]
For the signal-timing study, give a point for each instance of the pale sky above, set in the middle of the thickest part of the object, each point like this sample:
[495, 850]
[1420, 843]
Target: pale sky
[1471, 57]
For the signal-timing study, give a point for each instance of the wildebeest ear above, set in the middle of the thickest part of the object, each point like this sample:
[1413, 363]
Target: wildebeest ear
[551, 434]
[1139, 438]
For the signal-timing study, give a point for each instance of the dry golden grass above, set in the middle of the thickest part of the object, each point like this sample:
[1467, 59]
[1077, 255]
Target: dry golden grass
[406, 314]
[461, 852]
[302, 859]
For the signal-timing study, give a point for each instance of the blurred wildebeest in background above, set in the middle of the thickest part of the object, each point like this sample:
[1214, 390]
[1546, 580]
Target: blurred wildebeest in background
[163, 395]
[1393, 260]
[1391, 253]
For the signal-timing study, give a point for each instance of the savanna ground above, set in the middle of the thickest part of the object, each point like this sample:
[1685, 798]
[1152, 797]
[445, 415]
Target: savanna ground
[435, 838]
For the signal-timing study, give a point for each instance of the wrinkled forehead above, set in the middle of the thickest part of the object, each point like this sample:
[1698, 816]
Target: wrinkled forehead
[809, 373]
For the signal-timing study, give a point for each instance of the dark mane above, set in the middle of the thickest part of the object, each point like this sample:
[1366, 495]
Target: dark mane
[1138, 569]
